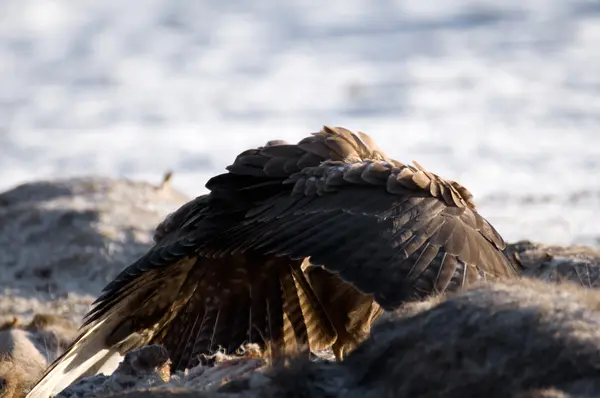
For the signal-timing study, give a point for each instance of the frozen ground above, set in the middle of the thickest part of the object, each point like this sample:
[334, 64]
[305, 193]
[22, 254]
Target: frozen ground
[502, 96]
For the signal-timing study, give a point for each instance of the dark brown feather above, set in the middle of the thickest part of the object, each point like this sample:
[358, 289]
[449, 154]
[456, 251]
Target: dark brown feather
[433, 223]
[245, 299]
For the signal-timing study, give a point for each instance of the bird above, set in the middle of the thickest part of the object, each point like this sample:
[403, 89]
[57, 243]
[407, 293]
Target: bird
[297, 248]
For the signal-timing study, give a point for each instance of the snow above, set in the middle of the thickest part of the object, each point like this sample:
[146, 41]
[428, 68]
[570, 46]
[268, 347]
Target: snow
[502, 96]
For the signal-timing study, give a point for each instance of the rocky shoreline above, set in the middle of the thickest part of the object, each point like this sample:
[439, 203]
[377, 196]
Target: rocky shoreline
[62, 241]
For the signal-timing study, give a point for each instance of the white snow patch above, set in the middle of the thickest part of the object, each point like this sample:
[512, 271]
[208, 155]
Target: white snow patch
[501, 96]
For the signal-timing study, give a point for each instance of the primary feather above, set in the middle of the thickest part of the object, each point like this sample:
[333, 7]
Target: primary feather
[298, 247]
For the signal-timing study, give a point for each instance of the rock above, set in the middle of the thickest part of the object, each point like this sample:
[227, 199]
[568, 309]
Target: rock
[26, 351]
[580, 264]
[494, 340]
[62, 241]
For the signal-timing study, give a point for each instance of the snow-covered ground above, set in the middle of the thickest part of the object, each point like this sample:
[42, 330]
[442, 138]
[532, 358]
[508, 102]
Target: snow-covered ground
[503, 96]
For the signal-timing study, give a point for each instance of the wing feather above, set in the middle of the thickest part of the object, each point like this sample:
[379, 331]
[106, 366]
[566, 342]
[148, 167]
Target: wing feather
[408, 220]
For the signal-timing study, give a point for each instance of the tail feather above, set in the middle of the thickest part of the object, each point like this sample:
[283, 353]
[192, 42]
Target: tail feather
[87, 355]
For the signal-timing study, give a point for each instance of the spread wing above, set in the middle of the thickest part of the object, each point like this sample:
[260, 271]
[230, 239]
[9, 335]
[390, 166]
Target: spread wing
[227, 268]
[395, 231]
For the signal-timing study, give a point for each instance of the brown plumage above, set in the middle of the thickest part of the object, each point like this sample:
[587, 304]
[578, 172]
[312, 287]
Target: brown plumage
[231, 267]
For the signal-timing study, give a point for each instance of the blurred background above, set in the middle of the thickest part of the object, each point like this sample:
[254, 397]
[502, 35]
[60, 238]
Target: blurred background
[502, 96]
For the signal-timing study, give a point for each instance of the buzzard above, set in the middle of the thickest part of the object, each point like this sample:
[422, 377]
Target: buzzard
[297, 248]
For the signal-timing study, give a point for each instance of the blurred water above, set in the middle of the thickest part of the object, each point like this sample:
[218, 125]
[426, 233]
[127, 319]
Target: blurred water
[502, 96]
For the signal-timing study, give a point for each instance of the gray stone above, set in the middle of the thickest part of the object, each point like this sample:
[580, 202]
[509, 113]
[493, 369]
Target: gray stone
[62, 241]
[579, 264]
[26, 350]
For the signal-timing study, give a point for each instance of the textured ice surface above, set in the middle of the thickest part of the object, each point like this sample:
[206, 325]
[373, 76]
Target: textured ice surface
[502, 96]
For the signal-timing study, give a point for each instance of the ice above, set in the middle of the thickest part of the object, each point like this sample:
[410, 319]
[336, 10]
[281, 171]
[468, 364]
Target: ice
[502, 96]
